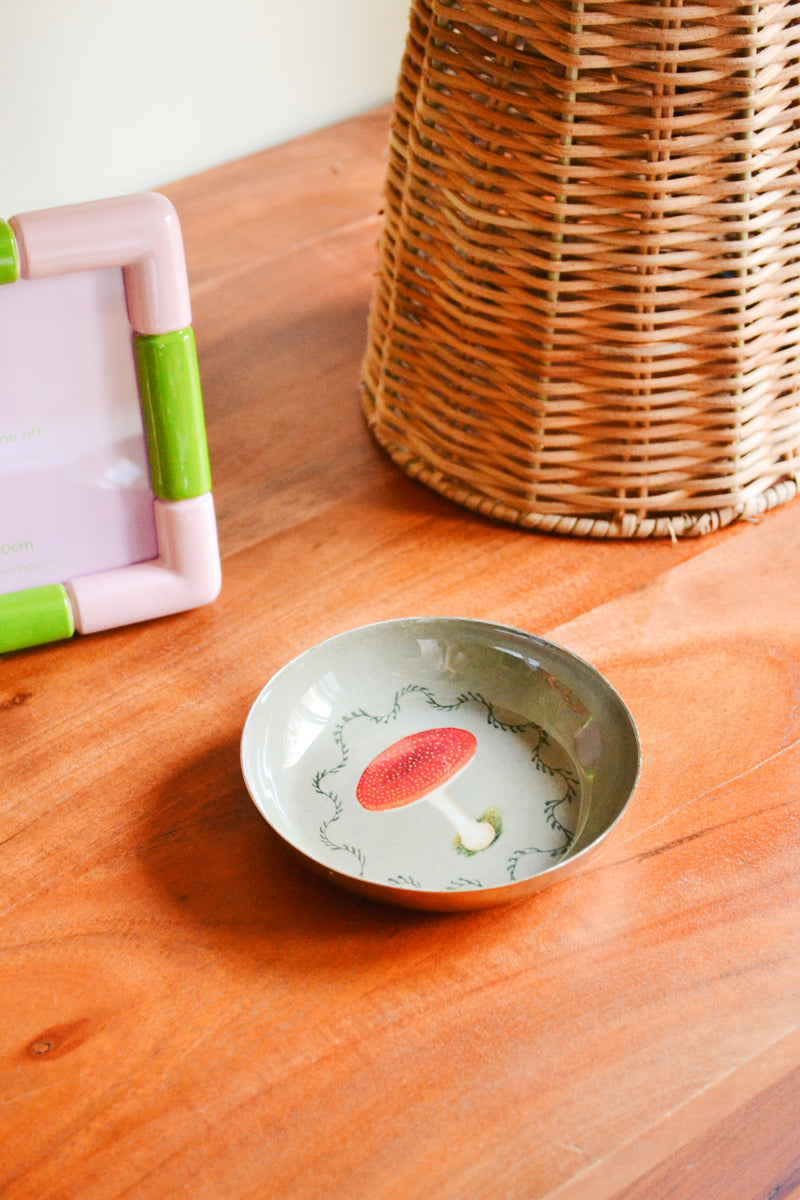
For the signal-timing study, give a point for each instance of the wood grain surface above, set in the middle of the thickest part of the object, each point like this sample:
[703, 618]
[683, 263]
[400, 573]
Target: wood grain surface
[185, 1011]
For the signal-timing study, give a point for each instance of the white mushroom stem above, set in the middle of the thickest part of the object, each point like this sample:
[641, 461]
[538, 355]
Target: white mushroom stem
[475, 835]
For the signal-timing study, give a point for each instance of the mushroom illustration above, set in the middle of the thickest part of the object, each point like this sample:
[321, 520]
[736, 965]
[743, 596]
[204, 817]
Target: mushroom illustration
[417, 768]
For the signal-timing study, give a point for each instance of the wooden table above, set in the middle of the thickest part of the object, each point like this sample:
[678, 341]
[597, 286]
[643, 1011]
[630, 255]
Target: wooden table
[186, 1012]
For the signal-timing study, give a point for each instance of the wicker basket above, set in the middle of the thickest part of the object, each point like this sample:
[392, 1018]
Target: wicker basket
[586, 312]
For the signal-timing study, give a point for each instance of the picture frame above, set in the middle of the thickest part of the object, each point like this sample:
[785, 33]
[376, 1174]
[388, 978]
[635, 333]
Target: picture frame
[96, 317]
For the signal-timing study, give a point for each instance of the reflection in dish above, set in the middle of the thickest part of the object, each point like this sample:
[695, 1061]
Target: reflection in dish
[309, 718]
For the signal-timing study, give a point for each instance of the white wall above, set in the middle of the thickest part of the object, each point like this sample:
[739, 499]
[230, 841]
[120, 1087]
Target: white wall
[103, 97]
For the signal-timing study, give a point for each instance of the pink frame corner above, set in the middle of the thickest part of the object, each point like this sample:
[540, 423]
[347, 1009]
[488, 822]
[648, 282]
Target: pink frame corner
[141, 234]
[185, 575]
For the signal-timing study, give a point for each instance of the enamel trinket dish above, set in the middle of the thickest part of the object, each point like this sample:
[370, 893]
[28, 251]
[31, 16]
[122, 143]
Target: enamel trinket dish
[440, 763]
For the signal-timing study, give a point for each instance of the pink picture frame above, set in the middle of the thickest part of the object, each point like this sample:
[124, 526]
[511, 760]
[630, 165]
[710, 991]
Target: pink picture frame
[95, 306]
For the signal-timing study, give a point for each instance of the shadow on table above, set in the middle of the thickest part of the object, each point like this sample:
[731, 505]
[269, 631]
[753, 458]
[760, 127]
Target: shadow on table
[210, 850]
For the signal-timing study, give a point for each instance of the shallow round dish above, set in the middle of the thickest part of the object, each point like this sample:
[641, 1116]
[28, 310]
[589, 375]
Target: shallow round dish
[440, 763]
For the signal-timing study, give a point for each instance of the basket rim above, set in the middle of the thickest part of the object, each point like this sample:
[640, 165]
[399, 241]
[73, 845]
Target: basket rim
[624, 524]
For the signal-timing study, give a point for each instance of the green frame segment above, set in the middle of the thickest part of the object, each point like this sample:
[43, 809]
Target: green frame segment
[35, 616]
[9, 256]
[172, 406]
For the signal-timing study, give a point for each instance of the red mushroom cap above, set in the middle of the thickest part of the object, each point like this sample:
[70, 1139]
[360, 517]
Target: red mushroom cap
[411, 768]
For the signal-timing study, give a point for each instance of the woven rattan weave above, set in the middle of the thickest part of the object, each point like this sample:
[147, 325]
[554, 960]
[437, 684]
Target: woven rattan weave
[586, 312]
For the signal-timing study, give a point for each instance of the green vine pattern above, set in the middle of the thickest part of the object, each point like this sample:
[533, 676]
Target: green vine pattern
[551, 809]
[323, 782]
